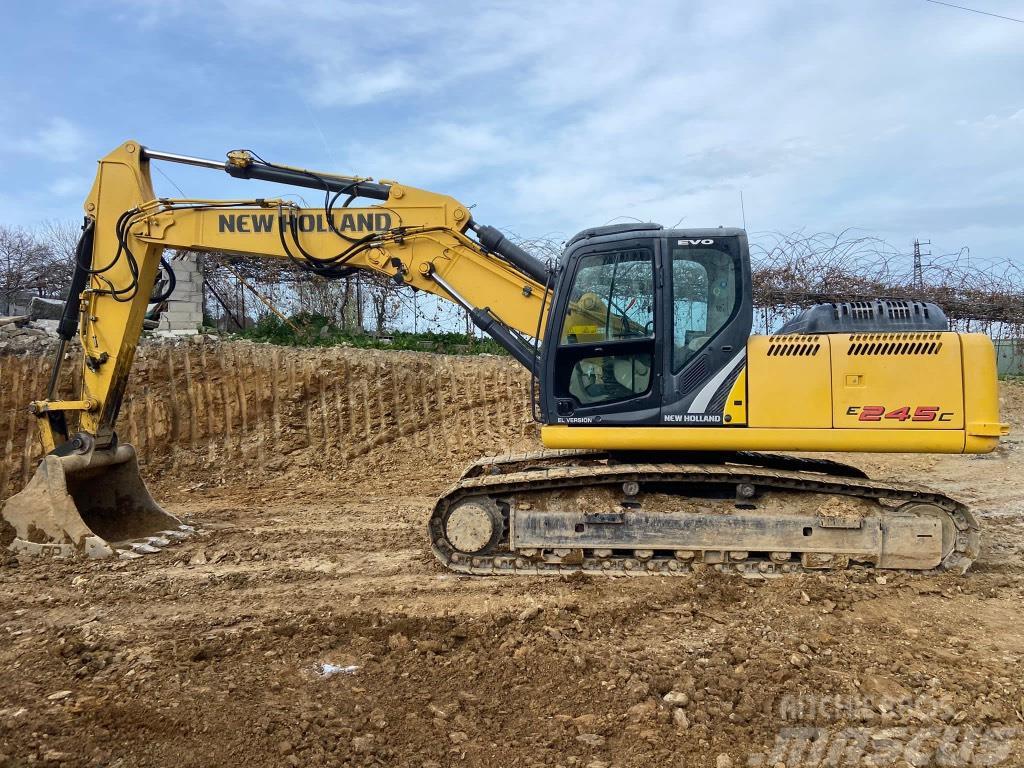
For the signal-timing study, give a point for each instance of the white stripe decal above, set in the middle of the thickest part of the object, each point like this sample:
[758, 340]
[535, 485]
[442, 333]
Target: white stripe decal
[700, 402]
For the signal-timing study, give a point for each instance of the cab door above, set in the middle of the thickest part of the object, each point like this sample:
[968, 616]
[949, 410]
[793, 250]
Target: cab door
[603, 362]
[708, 318]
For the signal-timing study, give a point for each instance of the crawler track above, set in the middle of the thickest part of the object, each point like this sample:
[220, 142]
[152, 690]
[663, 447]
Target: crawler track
[506, 482]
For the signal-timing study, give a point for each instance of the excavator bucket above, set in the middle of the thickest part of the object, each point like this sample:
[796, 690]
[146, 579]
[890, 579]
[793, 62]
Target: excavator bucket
[91, 504]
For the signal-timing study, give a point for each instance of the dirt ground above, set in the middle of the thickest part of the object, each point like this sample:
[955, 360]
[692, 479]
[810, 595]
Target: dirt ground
[313, 552]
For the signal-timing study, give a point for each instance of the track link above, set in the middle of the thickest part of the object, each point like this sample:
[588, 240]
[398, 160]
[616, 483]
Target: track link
[500, 481]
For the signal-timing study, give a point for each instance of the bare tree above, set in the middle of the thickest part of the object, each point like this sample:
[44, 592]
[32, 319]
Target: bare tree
[61, 237]
[27, 267]
[794, 270]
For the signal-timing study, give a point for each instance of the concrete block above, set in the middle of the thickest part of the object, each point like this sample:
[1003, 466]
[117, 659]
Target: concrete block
[45, 309]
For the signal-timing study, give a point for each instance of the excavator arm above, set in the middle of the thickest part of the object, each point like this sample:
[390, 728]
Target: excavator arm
[419, 238]
[87, 496]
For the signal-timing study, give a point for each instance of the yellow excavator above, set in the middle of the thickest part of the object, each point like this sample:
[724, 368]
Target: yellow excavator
[652, 392]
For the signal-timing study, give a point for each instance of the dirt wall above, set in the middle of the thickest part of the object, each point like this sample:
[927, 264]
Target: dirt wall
[214, 410]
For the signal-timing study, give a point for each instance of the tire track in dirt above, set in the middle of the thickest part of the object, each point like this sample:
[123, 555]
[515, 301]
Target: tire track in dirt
[220, 408]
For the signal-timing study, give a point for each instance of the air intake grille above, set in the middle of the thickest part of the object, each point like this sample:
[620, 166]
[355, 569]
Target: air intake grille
[895, 344]
[898, 309]
[860, 310]
[793, 346]
[697, 370]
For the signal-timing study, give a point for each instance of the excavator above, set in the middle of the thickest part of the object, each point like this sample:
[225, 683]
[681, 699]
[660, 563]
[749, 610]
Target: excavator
[669, 430]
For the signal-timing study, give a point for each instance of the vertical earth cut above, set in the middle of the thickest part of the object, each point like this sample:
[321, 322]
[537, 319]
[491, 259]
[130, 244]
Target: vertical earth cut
[224, 409]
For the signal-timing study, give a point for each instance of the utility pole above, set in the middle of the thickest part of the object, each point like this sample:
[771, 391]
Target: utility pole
[918, 271]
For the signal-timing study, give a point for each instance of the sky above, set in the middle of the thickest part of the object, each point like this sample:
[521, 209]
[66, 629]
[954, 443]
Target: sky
[904, 118]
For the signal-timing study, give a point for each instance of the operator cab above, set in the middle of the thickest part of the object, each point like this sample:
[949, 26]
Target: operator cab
[649, 326]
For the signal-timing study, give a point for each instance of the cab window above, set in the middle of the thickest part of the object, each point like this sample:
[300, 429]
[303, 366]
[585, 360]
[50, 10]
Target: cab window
[705, 295]
[612, 298]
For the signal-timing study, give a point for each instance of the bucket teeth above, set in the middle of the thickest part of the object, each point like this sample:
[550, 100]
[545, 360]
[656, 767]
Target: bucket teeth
[96, 548]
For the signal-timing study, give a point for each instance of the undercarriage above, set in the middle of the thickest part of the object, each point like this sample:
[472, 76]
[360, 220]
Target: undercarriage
[752, 514]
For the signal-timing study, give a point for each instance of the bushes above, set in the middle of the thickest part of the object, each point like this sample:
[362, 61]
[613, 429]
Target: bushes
[317, 331]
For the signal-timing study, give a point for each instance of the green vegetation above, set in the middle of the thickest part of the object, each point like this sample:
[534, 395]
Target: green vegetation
[317, 331]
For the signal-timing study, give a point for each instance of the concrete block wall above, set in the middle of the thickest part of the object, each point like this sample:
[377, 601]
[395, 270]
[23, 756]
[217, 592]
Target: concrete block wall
[184, 312]
[1010, 356]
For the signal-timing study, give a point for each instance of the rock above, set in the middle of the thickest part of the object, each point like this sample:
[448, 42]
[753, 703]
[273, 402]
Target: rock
[78, 581]
[53, 756]
[585, 723]
[799, 661]
[284, 748]
[677, 698]
[884, 692]
[723, 761]
[198, 558]
[362, 744]
[591, 739]
[642, 711]
[458, 737]
[682, 722]
[219, 555]
[58, 696]
[530, 613]
[805, 599]
[440, 712]
[399, 642]
[598, 764]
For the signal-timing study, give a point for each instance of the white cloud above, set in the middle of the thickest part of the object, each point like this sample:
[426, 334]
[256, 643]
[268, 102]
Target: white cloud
[337, 87]
[59, 139]
[71, 186]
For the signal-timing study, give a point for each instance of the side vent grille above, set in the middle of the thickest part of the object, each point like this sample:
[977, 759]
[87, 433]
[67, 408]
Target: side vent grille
[861, 310]
[895, 344]
[897, 309]
[793, 346]
[697, 370]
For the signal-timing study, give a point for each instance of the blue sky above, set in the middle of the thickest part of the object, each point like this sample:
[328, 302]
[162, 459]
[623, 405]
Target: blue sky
[901, 117]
